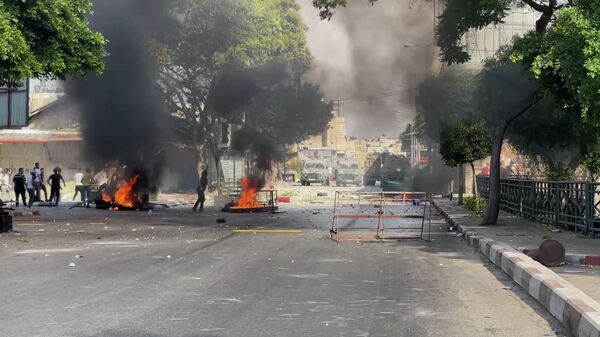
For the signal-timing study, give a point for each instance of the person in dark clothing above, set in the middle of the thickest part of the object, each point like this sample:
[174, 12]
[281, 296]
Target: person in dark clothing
[20, 186]
[54, 182]
[201, 188]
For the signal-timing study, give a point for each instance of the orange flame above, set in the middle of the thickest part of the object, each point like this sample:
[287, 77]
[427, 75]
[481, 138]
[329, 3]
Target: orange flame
[106, 197]
[125, 195]
[248, 195]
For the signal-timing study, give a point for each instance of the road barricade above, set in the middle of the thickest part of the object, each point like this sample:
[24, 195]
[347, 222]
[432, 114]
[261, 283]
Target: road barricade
[381, 216]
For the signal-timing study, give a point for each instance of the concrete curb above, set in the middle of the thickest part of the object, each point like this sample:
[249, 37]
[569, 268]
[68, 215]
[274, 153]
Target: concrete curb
[578, 312]
[26, 213]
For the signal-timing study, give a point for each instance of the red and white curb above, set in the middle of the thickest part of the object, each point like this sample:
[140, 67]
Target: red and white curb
[26, 213]
[573, 259]
[578, 312]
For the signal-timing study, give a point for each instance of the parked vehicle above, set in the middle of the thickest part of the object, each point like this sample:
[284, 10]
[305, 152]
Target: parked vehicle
[395, 171]
[314, 172]
[348, 173]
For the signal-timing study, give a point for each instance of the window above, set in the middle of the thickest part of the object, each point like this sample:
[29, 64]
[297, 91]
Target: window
[14, 107]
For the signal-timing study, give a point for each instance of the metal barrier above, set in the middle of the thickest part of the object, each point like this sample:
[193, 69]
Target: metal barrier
[569, 205]
[384, 216]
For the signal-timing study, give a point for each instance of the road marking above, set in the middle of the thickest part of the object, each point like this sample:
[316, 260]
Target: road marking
[267, 231]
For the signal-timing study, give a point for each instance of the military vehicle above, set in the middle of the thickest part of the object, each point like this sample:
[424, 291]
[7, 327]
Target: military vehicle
[348, 173]
[394, 174]
[314, 171]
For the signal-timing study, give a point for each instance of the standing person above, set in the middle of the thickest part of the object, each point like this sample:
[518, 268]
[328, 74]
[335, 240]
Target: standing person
[20, 186]
[37, 185]
[87, 181]
[78, 177]
[4, 191]
[201, 188]
[101, 178]
[54, 182]
[43, 185]
[6, 184]
[30, 179]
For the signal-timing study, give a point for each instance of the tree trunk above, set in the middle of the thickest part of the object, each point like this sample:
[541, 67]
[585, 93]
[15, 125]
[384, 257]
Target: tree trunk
[491, 215]
[217, 158]
[200, 160]
[461, 184]
[474, 181]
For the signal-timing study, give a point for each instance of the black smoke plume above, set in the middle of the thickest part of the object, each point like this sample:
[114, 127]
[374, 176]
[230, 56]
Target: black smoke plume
[264, 149]
[122, 115]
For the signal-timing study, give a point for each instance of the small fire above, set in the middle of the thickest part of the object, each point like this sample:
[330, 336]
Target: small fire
[248, 195]
[125, 194]
[106, 198]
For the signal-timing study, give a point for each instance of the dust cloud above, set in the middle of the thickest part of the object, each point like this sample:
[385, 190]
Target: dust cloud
[378, 53]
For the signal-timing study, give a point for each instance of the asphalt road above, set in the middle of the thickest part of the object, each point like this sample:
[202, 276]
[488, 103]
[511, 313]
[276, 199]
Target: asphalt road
[174, 273]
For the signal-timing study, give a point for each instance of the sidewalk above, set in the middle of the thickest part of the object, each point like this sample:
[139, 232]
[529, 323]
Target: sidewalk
[570, 292]
[520, 233]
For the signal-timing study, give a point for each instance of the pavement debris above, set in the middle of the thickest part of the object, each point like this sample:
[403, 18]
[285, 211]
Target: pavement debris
[79, 256]
[221, 220]
[71, 264]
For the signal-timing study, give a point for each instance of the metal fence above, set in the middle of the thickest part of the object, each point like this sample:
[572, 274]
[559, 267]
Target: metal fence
[569, 205]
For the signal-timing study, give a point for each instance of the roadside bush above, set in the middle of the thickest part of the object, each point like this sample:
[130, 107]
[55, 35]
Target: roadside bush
[477, 205]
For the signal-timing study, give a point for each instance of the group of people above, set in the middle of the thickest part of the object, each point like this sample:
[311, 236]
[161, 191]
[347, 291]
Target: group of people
[33, 181]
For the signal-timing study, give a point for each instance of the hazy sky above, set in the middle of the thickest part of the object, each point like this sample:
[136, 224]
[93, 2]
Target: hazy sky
[365, 51]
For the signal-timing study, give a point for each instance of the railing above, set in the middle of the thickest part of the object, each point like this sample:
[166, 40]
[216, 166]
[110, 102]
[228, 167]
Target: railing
[569, 205]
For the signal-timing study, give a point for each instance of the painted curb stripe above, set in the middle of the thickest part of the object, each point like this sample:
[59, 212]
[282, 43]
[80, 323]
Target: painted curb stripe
[578, 312]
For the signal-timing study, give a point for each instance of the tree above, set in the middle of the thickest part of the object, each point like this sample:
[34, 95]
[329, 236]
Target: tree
[290, 114]
[553, 136]
[209, 69]
[47, 39]
[591, 163]
[504, 93]
[443, 100]
[464, 143]
[566, 59]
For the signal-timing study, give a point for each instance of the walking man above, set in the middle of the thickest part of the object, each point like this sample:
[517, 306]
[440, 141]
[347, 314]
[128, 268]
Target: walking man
[78, 177]
[54, 182]
[201, 188]
[20, 186]
[37, 181]
[31, 188]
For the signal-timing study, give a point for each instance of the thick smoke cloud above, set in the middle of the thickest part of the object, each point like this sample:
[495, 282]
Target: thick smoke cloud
[122, 115]
[265, 151]
[366, 50]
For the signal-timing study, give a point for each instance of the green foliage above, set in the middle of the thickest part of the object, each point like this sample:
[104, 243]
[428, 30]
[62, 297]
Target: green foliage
[274, 31]
[47, 39]
[476, 204]
[465, 142]
[235, 60]
[326, 7]
[553, 136]
[567, 58]
[591, 163]
[290, 113]
[459, 17]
